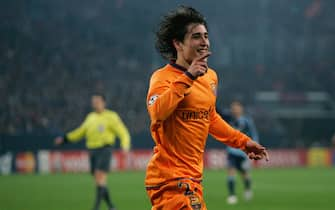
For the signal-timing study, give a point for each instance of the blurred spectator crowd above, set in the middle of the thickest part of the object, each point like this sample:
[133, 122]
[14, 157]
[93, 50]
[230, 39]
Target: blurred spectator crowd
[55, 54]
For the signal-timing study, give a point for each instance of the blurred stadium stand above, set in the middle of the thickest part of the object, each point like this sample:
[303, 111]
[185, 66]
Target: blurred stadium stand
[276, 56]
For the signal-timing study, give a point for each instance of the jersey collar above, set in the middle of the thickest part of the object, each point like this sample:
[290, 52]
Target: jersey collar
[177, 66]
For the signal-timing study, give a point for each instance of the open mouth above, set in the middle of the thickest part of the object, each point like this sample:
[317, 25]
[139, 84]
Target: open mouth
[202, 51]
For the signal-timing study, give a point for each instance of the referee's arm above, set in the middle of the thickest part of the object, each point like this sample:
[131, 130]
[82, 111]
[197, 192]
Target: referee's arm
[76, 134]
[122, 133]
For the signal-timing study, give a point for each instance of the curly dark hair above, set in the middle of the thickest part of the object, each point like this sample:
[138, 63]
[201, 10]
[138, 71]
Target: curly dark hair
[174, 27]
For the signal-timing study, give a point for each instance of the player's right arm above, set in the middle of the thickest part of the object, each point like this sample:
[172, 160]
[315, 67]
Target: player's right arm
[72, 136]
[164, 96]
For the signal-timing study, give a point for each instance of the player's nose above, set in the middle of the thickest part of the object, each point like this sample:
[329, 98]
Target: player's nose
[204, 41]
[204, 44]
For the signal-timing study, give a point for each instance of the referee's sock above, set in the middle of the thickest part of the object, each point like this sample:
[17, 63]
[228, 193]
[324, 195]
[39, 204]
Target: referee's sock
[107, 198]
[99, 196]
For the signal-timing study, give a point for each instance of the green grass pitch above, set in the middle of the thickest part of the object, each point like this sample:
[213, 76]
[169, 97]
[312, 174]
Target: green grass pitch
[274, 189]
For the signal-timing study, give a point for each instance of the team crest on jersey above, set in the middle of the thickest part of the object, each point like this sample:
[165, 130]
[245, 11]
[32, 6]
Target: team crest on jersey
[152, 99]
[214, 88]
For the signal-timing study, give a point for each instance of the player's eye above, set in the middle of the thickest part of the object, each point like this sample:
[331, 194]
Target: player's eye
[196, 36]
[199, 36]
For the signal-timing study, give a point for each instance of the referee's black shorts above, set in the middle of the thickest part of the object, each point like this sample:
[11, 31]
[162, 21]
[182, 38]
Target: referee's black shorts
[100, 158]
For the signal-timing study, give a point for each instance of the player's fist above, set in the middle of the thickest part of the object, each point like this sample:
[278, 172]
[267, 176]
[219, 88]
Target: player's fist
[59, 141]
[256, 151]
[199, 66]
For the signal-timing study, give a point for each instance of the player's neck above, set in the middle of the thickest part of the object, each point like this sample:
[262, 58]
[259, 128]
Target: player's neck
[182, 62]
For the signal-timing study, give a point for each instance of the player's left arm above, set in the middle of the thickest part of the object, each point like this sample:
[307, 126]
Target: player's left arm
[121, 131]
[224, 133]
[221, 130]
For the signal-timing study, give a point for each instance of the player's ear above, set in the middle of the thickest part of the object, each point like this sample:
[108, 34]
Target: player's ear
[177, 44]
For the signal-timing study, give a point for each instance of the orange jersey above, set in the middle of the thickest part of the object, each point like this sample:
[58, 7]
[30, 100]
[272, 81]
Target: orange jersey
[182, 113]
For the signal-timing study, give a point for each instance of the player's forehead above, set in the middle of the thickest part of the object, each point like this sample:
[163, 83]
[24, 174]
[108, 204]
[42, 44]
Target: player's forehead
[196, 28]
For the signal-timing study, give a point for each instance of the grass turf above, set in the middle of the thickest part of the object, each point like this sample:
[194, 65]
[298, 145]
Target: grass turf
[274, 189]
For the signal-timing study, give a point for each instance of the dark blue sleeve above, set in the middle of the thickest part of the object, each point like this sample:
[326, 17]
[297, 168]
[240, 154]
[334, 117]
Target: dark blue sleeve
[252, 130]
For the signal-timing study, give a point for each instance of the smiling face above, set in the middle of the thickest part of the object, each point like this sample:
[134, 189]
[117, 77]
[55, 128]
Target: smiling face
[195, 43]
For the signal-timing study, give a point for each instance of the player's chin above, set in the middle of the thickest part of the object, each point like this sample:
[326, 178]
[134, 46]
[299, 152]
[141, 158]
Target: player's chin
[201, 52]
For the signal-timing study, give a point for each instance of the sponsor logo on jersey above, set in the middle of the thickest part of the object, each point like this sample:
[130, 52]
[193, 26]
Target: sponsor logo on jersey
[190, 115]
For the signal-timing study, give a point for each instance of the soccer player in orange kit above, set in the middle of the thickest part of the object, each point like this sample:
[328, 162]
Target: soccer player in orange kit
[181, 104]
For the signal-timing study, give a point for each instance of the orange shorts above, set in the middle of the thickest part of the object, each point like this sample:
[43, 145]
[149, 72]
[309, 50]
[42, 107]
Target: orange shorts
[182, 194]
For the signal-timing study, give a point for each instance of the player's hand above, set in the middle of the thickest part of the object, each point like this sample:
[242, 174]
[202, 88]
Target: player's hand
[59, 141]
[199, 66]
[256, 151]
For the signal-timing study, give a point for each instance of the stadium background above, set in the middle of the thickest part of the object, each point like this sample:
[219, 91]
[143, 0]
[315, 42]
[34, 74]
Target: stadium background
[275, 56]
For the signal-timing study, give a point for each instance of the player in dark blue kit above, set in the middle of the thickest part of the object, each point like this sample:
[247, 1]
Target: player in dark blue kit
[237, 159]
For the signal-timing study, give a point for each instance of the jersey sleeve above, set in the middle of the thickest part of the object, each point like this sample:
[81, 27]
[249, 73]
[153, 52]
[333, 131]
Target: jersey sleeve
[164, 95]
[121, 131]
[224, 133]
[78, 133]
